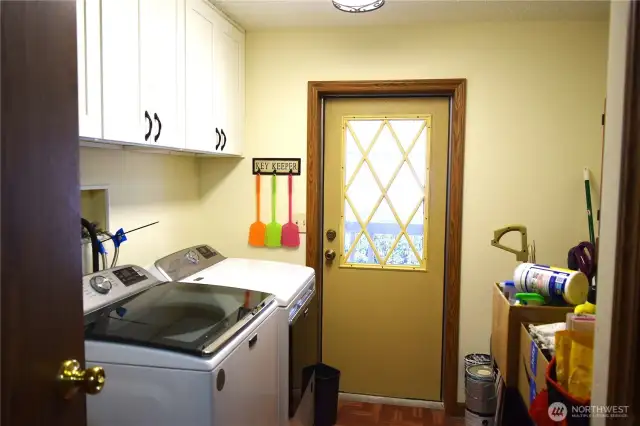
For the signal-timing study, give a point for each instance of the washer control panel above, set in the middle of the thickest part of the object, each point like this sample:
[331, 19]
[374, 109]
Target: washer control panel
[189, 261]
[103, 288]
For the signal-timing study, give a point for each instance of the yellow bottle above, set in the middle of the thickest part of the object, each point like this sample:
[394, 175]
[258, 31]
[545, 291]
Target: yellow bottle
[588, 307]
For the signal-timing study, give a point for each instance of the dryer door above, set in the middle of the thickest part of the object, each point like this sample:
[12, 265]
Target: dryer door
[245, 385]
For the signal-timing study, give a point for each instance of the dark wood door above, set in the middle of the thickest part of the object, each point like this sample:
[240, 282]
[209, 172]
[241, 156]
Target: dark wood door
[40, 265]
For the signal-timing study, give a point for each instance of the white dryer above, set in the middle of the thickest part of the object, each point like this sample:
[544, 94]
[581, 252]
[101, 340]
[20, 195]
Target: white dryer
[180, 354]
[293, 287]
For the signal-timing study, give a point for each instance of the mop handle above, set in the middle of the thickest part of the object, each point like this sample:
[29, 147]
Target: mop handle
[587, 189]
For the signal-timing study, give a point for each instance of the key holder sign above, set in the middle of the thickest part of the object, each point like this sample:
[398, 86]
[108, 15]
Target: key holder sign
[278, 166]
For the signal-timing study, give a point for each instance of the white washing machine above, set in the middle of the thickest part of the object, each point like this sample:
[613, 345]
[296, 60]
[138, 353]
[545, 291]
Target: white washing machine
[293, 287]
[178, 353]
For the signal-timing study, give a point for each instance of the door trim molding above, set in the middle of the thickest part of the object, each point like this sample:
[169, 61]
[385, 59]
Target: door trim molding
[455, 89]
[623, 387]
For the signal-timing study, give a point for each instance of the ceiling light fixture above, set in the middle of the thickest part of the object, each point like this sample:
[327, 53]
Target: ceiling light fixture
[358, 6]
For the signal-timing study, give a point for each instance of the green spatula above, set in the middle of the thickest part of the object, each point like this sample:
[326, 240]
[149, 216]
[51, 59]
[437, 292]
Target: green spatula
[274, 229]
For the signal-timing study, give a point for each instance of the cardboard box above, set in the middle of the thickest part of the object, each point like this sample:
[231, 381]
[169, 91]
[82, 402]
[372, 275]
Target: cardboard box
[533, 366]
[505, 331]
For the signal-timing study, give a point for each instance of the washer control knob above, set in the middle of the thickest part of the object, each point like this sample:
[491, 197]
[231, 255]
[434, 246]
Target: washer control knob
[192, 257]
[100, 284]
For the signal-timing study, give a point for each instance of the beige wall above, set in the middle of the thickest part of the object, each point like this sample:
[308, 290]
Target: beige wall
[619, 20]
[144, 188]
[535, 96]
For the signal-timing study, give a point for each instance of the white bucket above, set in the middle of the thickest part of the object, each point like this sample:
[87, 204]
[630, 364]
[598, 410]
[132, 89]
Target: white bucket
[473, 419]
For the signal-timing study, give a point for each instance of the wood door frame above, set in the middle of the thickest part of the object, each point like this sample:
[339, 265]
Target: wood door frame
[624, 374]
[455, 90]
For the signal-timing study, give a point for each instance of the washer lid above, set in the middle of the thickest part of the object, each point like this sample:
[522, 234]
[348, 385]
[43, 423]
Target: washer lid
[195, 319]
[284, 280]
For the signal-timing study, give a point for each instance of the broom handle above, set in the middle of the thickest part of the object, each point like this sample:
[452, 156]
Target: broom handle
[290, 200]
[587, 190]
[258, 197]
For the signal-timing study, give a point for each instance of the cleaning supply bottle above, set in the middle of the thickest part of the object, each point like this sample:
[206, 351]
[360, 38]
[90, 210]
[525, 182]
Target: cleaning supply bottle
[555, 284]
[510, 291]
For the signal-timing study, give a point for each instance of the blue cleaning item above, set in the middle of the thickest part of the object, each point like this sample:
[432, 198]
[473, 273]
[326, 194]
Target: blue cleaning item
[119, 238]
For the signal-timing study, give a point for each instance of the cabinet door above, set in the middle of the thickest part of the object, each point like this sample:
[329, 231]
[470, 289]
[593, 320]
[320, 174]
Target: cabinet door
[239, 123]
[229, 76]
[250, 392]
[123, 115]
[89, 69]
[160, 22]
[202, 131]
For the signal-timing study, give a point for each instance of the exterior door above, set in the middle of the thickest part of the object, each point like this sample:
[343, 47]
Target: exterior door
[385, 180]
[41, 322]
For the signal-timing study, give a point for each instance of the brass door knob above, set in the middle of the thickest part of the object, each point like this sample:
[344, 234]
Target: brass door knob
[330, 255]
[331, 234]
[72, 378]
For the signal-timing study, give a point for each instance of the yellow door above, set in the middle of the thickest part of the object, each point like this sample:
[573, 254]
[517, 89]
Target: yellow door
[385, 178]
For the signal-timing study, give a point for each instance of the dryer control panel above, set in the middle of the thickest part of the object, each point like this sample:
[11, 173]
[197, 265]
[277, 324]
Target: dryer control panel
[103, 288]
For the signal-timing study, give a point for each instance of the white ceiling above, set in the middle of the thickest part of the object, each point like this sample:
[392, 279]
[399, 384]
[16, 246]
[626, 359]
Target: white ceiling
[267, 14]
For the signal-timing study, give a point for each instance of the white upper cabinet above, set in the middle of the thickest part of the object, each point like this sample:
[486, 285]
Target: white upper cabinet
[229, 77]
[202, 131]
[89, 69]
[162, 73]
[141, 84]
[161, 24]
[214, 81]
[123, 112]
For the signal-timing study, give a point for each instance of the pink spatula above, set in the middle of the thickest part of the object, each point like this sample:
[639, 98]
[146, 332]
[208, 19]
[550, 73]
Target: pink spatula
[290, 231]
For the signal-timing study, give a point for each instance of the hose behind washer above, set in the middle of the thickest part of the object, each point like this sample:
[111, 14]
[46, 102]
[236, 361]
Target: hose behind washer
[116, 249]
[95, 255]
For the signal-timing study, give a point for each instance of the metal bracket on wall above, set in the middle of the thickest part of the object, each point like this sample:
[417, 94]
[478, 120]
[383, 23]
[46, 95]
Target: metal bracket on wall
[279, 166]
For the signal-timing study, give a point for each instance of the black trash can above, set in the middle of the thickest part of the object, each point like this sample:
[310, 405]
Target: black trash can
[326, 395]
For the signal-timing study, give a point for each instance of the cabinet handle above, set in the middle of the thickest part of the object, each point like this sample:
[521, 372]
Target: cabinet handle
[253, 341]
[225, 139]
[218, 144]
[155, 117]
[148, 117]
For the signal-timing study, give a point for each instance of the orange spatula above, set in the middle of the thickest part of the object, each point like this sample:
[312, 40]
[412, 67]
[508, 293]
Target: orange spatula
[290, 231]
[258, 229]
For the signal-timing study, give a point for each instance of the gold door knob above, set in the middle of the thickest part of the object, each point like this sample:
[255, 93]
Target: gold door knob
[330, 255]
[72, 378]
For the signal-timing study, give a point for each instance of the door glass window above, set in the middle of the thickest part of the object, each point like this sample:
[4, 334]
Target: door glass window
[386, 181]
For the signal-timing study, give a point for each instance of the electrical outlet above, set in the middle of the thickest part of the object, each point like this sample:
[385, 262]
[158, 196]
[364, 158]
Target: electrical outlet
[300, 219]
